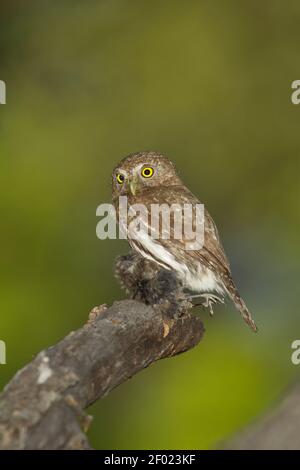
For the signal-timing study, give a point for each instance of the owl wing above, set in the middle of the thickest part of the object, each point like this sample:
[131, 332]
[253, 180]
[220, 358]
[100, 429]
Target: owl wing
[211, 254]
[173, 253]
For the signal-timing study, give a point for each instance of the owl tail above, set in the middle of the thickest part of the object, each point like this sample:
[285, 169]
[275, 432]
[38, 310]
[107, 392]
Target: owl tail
[240, 304]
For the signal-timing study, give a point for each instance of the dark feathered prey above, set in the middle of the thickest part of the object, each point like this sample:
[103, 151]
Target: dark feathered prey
[144, 280]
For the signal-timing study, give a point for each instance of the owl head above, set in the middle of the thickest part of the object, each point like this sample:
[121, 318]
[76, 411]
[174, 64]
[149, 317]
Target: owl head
[140, 171]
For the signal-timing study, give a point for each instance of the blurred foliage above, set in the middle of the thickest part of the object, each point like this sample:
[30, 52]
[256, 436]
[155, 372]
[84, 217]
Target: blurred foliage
[208, 83]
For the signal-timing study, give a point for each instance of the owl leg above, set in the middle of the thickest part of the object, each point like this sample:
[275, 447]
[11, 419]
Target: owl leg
[209, 300]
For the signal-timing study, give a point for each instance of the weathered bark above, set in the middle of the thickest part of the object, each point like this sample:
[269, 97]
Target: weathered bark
[277, 430]
[42, 407]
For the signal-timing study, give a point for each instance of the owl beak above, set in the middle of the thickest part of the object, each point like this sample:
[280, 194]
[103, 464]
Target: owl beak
[133, 186]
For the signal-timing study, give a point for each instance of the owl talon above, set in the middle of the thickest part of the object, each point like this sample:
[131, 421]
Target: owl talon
[209, 301]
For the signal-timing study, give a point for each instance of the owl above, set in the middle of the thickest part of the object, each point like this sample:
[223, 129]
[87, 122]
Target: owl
[161, 267]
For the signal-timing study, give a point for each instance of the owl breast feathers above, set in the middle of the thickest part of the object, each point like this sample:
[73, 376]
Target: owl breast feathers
[150, 179]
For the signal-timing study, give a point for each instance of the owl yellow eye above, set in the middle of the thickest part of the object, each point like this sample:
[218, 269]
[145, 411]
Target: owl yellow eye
[147, 172]
[120, 178]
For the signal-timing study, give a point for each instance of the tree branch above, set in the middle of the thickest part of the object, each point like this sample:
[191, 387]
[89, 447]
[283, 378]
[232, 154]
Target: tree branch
[42, 407]
[278, 429]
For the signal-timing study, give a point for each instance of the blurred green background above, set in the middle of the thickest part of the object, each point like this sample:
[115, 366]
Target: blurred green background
[209, 84]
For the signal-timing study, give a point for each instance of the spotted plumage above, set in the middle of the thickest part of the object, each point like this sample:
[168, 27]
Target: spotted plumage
[151, 178]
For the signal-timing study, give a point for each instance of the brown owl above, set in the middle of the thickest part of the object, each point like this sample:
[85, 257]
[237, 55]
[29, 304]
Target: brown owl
[161, 265]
